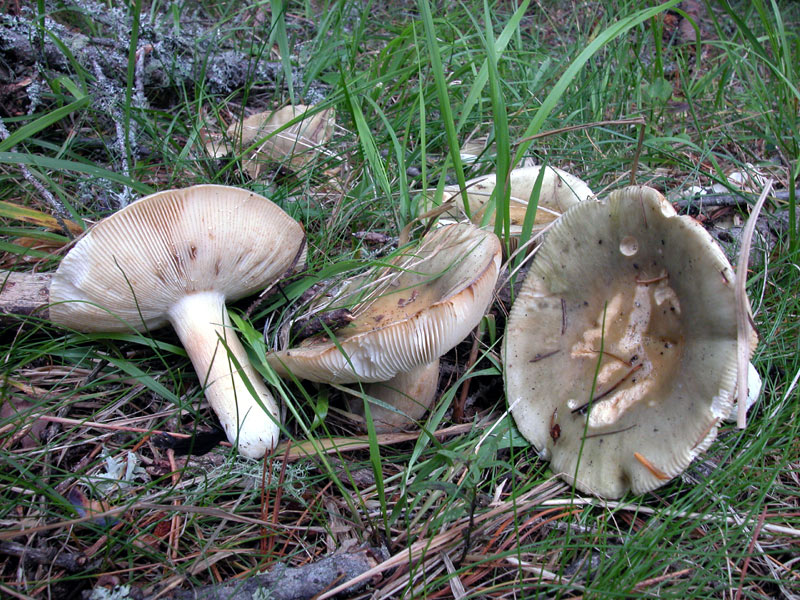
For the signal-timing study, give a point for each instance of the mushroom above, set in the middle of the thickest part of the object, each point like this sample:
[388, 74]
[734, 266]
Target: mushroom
[620, 351]
[560, 190]
[409, 314]
[299, 143]
[176, 257]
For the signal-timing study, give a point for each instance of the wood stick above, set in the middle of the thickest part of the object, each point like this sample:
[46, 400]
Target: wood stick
[24, 294]
[71, 562]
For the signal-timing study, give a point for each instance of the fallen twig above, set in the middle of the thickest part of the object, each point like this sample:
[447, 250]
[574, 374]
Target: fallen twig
[24, 293]
[697, 202]
[70, 562]
[335, 445]
[169, 59]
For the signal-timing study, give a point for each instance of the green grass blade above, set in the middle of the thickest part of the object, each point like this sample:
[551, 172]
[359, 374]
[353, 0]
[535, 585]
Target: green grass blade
[146, 380]
[399, 151]
[367, 142]
[560, 88]
[58, 164]
[476, 90]
[278, 33]
[133, 47]
[30, 129]
[501, 195]
[434, 54]
[530, 214]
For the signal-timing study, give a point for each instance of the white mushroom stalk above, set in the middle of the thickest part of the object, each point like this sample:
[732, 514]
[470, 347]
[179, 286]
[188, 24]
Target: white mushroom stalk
[176, 257]
[249, 419]
[402, 401]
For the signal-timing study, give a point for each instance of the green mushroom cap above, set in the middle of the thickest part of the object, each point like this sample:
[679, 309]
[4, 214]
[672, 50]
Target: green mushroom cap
[620, 356]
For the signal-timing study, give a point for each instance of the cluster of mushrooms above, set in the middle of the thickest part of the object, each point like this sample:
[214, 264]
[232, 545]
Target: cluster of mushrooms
[616, 369]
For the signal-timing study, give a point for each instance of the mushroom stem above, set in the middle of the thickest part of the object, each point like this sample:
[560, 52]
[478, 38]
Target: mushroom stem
[205, 329]
[410, 393]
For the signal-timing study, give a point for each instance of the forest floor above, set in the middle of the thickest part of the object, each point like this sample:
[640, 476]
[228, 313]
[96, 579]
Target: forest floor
[113, 480]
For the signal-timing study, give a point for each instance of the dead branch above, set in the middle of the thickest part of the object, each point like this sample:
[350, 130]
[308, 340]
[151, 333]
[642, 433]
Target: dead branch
[24, 294]
[70, 562]
[694, 204]
[172, 57]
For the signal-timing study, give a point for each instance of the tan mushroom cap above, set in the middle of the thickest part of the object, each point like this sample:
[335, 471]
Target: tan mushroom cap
[668, 366]
[176, 257]
[560, 190]
[132, 266]
[423, 305]
[299, 144]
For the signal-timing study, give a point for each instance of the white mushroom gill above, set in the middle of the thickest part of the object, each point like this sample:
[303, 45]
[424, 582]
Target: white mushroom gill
[427, 302]
[405, 316]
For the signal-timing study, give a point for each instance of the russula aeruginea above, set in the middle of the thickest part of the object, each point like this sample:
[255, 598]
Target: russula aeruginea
[644, 298]
[176, 257]
[560, 190]
[422, 305]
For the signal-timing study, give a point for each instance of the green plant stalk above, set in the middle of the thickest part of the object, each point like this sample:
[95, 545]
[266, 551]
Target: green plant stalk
[501, 195]
[374, 447]
[358, 30]
[657, 28]
[402, 178]
[30, 129]
[476, 90]
[530, 217]
[423, 130]
[136, 10]
[58, 164]
[278, 30]
[367, 141]
[780, 62]
[444, 101]
[275, 383]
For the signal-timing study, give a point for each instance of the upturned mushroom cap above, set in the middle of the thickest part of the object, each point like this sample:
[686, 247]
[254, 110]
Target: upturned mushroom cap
[423, 305]
[655, 293]
[177, 256]
[560, 190]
